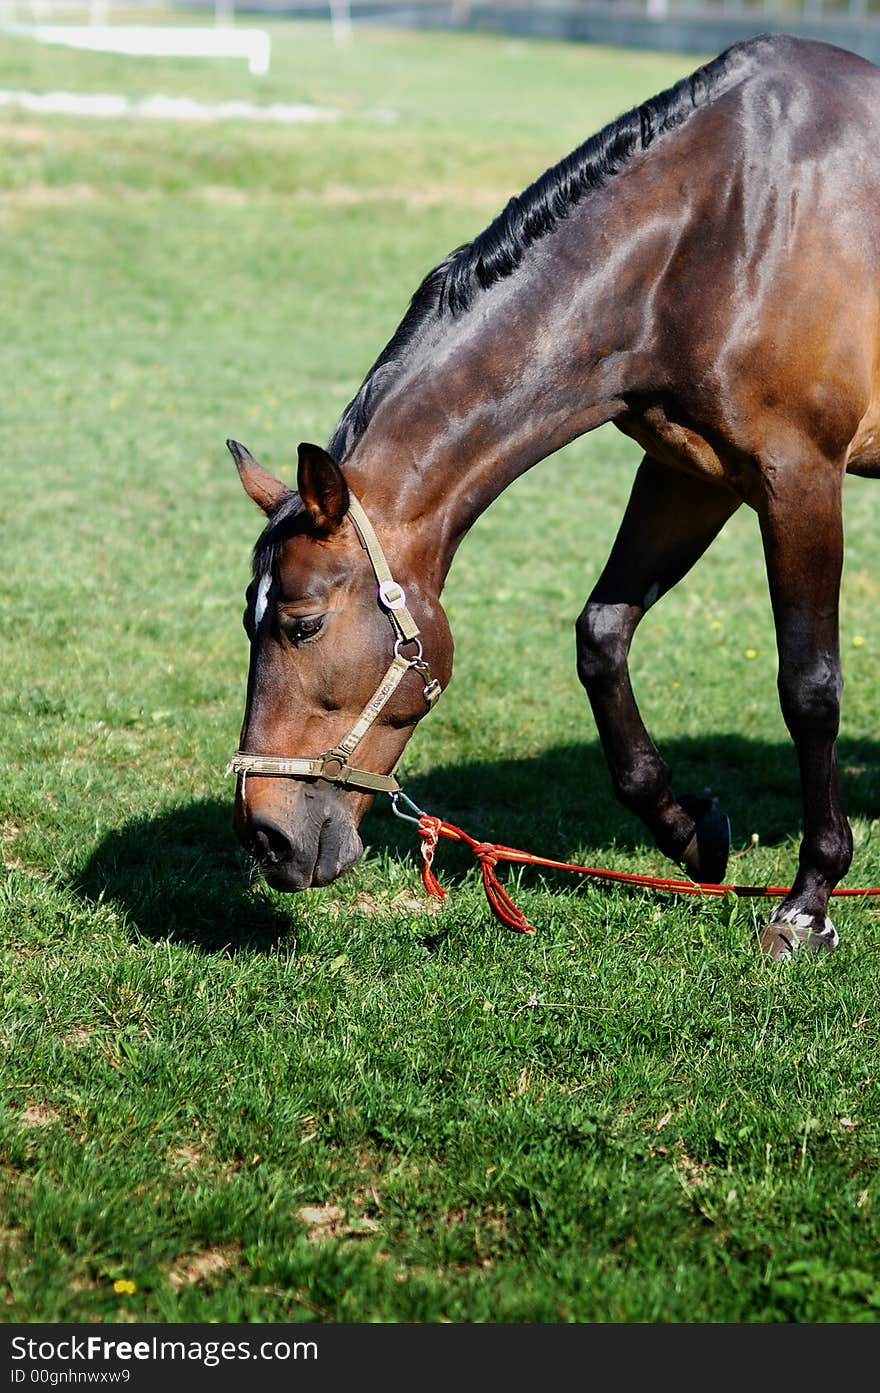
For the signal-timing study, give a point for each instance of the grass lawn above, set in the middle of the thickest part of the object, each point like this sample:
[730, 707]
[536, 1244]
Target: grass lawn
[348, 1105]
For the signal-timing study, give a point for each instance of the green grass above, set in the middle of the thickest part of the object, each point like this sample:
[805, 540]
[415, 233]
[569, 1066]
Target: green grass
[346, 1105]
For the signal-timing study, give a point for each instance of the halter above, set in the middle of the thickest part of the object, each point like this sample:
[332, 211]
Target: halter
[333, 766]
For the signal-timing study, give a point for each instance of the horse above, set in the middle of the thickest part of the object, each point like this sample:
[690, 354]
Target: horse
[705, 273]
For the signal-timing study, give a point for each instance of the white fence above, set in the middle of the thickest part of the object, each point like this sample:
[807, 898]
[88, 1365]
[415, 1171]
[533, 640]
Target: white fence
[159, 41]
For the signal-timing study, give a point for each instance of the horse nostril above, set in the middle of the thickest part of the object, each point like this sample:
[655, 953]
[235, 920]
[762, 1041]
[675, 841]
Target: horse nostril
[269, 842]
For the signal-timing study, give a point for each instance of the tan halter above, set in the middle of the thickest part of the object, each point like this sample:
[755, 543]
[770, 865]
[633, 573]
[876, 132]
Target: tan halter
[333, 766]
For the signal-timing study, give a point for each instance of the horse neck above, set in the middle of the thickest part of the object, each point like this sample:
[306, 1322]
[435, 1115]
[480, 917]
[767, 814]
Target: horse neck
[538, 359]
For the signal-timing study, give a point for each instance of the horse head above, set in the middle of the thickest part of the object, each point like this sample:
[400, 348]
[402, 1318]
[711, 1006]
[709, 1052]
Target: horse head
[338, 674]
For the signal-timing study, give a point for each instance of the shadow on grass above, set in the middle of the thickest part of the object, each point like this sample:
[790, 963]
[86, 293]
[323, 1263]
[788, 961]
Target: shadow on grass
[181, 875]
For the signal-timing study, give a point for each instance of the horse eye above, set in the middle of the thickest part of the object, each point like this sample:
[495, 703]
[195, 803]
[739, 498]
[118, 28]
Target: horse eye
[304, 629]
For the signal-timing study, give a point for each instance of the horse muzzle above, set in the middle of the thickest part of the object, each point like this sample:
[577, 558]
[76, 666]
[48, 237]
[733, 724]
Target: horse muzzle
[311, 844]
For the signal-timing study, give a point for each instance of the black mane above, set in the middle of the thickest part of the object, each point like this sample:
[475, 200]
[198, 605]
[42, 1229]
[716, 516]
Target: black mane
[452, 286]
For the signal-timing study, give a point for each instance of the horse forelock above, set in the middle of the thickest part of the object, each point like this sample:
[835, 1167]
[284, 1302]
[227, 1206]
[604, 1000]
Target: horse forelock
[451, 287]
[267, 552]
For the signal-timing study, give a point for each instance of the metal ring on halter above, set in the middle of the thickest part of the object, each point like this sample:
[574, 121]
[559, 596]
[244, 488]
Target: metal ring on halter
[399, 642]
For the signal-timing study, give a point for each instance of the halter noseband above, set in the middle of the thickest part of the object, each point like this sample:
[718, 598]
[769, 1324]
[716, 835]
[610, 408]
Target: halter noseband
[333, 766]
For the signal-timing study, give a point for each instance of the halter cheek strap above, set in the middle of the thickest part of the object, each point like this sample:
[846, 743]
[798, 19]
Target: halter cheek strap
[334, 765]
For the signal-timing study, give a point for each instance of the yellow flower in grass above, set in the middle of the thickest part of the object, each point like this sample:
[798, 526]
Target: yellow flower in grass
[858, 641]
[751, 652]
[124, 1287]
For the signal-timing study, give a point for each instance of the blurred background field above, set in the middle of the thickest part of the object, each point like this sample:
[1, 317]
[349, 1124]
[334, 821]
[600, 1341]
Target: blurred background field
[345, 1105]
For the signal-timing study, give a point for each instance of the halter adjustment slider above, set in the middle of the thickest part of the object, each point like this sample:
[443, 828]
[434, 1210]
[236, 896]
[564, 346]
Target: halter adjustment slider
[391, 595]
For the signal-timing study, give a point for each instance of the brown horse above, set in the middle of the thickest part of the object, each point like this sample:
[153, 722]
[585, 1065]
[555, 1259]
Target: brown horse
[704, 273]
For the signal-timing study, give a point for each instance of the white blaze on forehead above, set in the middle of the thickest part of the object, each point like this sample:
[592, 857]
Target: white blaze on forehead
[262, 599]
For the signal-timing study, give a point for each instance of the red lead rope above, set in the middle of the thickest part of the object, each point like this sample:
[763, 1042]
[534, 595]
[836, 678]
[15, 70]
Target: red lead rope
[488, 854]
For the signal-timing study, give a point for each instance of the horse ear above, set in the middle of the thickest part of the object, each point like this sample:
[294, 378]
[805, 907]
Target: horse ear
[322, 488]
[266, 491]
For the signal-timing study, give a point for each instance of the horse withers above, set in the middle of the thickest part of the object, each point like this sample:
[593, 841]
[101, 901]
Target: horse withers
[703, 272]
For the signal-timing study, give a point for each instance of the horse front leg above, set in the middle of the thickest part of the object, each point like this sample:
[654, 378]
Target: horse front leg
[670, 520]
[802, 531]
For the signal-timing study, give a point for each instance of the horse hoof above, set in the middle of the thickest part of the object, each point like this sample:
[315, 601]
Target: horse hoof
[705, 856]
[785, 936]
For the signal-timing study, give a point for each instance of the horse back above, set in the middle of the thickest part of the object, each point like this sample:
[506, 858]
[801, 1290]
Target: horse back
[767, 311]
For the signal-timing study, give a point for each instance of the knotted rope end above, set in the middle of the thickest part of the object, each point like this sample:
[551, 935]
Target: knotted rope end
[487, 854]
[429, 831]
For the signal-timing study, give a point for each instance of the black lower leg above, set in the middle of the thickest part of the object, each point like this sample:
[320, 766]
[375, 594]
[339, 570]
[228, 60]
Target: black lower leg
[805, 601]
[669, 522]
